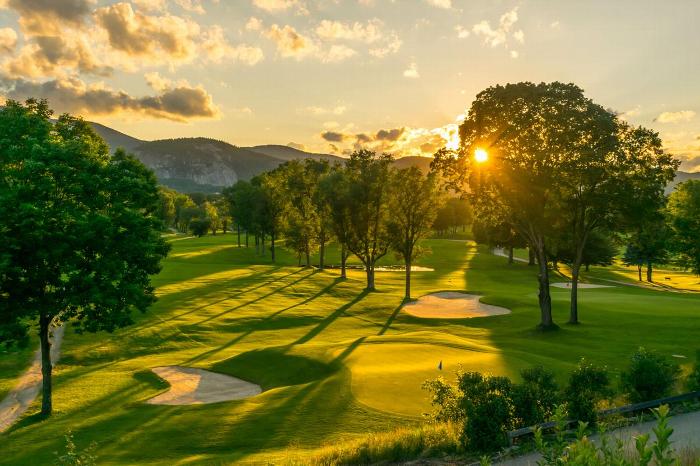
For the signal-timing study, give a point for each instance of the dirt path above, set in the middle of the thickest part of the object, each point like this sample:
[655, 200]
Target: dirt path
[501, 252]
[686, 434]
[190, 386]
[24, 394]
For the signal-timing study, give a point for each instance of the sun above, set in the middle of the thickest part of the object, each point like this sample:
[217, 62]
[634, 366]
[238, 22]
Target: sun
[480, 155]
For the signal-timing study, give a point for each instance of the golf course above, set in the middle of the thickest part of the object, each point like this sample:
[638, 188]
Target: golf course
[333, 361]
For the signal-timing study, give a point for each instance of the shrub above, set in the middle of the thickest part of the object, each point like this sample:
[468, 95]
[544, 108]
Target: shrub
[486, 402]
[481, 405]
[694, 376]
[650, 376]
[445, 398]
[200, 226]
[588, 385]
[534, 400]
[75, 457]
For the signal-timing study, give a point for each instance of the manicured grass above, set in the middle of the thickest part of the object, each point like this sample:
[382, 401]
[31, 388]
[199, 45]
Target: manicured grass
[335, 362]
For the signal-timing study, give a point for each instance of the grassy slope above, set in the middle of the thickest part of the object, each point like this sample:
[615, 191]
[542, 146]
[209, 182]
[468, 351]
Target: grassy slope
[335, 362]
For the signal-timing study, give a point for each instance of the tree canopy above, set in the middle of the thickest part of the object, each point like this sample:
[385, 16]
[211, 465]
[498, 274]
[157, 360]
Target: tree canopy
[80, 229]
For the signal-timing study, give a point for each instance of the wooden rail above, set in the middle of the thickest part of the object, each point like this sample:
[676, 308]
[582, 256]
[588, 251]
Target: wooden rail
[513, 434]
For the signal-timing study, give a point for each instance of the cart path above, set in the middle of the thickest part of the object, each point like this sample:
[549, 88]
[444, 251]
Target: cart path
[23, 395]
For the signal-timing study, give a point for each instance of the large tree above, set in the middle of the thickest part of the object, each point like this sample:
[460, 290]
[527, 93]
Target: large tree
[369, 188]
[684, 217]
[80, 230]
[515, 143]
[415, 199]
[616, 173]
[334, 193]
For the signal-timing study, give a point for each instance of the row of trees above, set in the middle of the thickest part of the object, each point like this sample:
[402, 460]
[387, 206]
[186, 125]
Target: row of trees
[195, 212]
[560, 170]
[365, 205]
[670, 235]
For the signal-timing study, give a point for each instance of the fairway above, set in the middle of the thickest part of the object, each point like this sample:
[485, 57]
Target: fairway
[333, 361]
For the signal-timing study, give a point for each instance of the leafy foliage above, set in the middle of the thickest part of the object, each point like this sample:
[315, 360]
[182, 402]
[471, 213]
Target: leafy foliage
[649, 377]
[588, 384]
[684, 215]
[75, 457]
[535, 399]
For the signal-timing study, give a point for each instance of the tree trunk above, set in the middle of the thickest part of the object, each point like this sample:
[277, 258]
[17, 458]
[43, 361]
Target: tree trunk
[649, 272]
[238, 230]
[257, 244]
[246, 238]
[322, 255]
[510, 254]
[262, 244]
[408, 280]
[272, 246]
[44, 325]
[343, 259]
[588, 267]
[370, 278]
[531, 256]
[639, 270]
[545, 300]
[308, 258]
[573, 313]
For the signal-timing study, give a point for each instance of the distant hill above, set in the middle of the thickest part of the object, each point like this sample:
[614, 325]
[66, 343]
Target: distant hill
[202, 164]
[287, 153]
[681, 177]
[423, 163]
[208, 165]
[114, 138]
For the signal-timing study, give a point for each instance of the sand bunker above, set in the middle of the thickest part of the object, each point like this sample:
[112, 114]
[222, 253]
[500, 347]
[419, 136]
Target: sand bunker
[190, 386]
[580, 285]
[452, 305]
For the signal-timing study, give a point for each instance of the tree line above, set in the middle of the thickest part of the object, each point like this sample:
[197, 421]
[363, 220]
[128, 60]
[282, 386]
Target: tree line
[365, 206]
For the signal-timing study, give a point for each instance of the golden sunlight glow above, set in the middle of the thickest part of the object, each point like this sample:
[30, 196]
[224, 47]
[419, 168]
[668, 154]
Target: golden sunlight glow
[480, 155]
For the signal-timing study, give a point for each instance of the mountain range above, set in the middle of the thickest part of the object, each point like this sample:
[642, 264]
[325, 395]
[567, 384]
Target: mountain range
[209, 165]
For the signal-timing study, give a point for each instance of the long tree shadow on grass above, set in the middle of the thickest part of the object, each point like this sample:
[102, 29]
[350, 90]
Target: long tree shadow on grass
[330, 319]
[262, 322]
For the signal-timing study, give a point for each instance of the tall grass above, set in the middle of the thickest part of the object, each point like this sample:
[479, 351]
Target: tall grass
[403, 444]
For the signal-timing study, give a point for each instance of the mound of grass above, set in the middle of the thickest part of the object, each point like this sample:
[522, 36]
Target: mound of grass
[275, 367]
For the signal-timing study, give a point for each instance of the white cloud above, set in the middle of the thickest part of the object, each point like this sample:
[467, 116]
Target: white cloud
[634, 112]
[275, 6]
[392, 45]
[290, 43]
[253, 24]
[514, 54]
[218, 49]
[675, 117]
[446, 4]
[369, 32]
[462, 33]
[337, 53]
[8, 40]
[411, 71]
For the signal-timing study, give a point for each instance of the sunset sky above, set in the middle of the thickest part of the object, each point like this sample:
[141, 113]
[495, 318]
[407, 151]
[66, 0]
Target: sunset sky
[332, 75]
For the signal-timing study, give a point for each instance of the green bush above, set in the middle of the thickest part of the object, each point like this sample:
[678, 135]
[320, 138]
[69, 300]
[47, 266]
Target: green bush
[588, 385]
[535, 398]
[486, 403]
[650, 376]
[694, 376]
[200, 226]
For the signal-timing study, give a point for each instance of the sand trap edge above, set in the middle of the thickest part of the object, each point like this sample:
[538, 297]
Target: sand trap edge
[452, 305]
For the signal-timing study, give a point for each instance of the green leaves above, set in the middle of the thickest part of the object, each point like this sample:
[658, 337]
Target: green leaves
[80, 235]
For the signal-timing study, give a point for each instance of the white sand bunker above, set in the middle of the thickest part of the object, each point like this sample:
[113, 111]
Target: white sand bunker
[580, 285]
[452, 305]
[190, 386]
